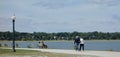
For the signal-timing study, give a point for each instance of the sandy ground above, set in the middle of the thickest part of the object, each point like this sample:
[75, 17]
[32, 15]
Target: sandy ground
[86, 52]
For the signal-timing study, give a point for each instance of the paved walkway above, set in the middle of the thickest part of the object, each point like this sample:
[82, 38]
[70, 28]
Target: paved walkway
[87, 52]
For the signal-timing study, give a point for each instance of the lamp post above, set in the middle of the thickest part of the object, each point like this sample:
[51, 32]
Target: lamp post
[13, 21]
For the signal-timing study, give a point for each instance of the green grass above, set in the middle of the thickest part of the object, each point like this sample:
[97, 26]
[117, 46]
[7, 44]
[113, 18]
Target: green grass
[18, 52]
[32, 53]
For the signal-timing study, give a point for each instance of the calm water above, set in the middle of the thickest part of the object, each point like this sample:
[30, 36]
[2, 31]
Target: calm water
[89, 45]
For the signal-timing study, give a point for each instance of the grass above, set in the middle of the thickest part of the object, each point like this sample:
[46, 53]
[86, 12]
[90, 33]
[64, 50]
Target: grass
[18, 52]
[32, 53]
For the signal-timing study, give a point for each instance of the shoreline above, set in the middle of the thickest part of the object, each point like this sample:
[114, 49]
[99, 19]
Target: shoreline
[58, 40]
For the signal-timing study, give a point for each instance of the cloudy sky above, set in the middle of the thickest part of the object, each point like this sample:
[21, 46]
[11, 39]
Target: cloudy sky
[61, 15]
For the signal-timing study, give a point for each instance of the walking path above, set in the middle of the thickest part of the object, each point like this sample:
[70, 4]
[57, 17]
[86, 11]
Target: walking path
[87, 52]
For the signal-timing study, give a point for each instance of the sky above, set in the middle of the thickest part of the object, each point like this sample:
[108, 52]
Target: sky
[60, 15]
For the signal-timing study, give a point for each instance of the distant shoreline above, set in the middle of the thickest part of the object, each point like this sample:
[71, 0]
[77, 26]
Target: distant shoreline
[59, 40]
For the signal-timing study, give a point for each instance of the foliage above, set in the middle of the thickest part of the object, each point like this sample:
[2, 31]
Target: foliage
[5, 45]
[25, 36]
[30, 46]
[0, 45]
[17, 45]
[110, 50]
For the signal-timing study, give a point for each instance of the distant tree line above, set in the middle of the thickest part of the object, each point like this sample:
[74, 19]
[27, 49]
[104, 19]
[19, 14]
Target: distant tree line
[24, 36]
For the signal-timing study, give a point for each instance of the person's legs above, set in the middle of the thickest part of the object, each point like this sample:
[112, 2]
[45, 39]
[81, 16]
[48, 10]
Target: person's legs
[77, 44]
[82, 47]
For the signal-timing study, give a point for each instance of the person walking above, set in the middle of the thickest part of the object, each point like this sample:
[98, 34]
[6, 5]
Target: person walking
[81, 44]
[77, 42]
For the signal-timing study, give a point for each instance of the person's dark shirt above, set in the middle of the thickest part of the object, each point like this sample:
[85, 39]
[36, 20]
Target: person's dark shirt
[77, 40]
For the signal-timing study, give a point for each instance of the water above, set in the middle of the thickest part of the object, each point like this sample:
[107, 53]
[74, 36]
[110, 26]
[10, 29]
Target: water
[89, 45]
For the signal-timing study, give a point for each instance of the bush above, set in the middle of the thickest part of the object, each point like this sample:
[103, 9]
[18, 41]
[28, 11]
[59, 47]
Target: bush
[0, 45]
[17, 45]
[5, 45]
[30, 46]
[110, 50]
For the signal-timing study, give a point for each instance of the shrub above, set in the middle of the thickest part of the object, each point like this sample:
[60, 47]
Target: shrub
[5, 45]
[17, 45]
[0, 45]
[30, 46]
[110, 50]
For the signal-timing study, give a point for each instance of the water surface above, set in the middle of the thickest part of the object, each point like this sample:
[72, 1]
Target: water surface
[89, 45]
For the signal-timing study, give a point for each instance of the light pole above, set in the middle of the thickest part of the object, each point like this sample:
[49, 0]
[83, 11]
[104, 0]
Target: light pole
[13, 20]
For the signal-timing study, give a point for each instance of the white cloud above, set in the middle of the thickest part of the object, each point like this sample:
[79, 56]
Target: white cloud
[62, 15]
[55, 4]
[106, 2]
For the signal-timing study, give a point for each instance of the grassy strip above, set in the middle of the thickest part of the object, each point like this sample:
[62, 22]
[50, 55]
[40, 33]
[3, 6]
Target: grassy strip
[18, 52]
[32, 53]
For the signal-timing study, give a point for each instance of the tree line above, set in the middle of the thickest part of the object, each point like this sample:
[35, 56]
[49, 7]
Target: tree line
[25, 36]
